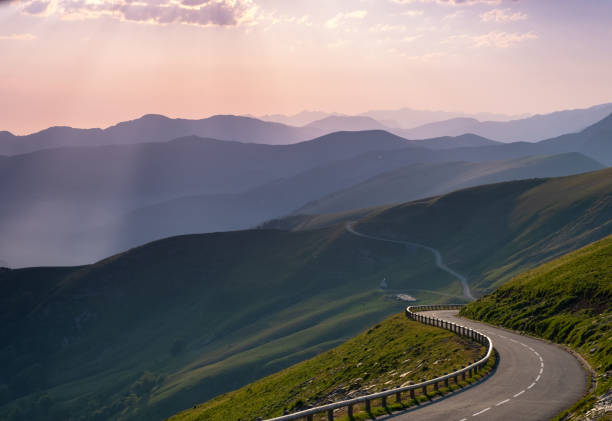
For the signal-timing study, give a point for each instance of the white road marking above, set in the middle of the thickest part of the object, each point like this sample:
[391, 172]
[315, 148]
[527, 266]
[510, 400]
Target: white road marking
[481, 412]
[522, 391]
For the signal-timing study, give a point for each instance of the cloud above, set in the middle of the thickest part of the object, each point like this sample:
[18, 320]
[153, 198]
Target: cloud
[17, 37]
[193, 12]
[494, 39]
[502, 39]
[450, 2]
[413, 13]
[337, 20]
[502, 15]
[412, 38]
[381, 28]
[36, 7]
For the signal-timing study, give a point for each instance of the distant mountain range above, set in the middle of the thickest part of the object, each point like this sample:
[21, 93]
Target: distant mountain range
[72, 205]
[490, 126]
[529, 129]
[425, 180]
[158, 128]
[51, 195]
[403, 118]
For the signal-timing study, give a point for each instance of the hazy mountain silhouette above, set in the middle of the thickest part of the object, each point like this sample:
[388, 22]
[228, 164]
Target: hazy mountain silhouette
[529, 129]
[450, 142]
[300, 119]
[157, 128]
[56, 202]
[350, 123]
[49, 196]
[595, 141]
[418, 181]
[357, 123]
[408, 118]
[323, 190]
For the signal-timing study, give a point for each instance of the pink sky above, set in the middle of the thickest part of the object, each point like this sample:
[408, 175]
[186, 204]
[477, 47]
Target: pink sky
[92, 63]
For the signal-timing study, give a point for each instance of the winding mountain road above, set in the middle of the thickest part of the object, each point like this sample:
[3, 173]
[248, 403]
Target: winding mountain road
[534, 381]
[467, 293]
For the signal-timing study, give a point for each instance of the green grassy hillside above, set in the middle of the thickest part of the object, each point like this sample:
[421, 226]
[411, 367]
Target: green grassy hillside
[567, 300]
[390, 354]
[146, 333]
[493, 232]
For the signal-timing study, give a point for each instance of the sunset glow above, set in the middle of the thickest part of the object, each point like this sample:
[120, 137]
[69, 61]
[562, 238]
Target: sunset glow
[92, 63]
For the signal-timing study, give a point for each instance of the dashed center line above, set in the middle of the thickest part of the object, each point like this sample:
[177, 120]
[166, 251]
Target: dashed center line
[522, 391]
[481, 412]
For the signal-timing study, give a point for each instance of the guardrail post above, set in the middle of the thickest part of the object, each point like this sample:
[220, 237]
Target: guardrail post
[330, 415]
[383, 401]
[412, 392]
[446, 382]
[309, 417]
[436, 387]
[367, 404]
[398, 397]
[350, 411]
[424, 389]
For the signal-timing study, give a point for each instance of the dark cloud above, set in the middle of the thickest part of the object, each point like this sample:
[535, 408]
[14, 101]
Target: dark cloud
[194, 12]
[36, 7]
[193, 2]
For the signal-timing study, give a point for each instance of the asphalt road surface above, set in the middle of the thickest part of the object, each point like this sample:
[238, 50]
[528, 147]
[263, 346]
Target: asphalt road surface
[534, 381]
[439, 262]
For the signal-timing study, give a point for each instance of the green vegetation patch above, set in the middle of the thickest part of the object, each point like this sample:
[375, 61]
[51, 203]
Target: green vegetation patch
[388, 355]
[567, 300]
[494, 232]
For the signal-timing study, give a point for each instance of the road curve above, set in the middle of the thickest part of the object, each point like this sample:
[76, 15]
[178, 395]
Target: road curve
[467, 293]
[534, 381]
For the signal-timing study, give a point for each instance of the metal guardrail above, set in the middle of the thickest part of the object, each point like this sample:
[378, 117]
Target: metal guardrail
[412, 313]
